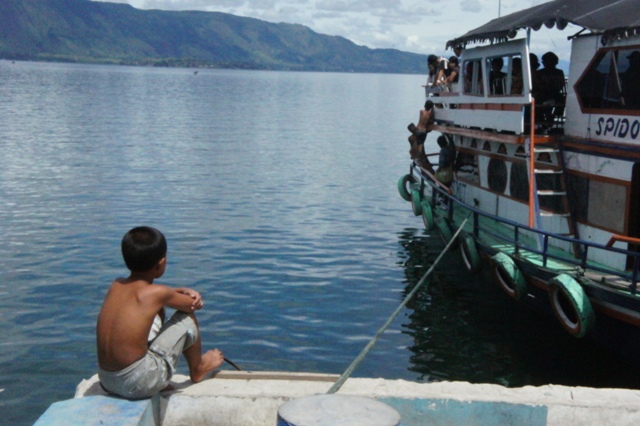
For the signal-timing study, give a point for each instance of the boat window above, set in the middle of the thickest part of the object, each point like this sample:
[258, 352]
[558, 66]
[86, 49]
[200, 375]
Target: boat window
[502, 149]
[597, 202]
[519, 182]
[472, 71]
[607, 205]
[497, 175]
[611, 81]
[467, 167]
[486, 146]
[505, 75]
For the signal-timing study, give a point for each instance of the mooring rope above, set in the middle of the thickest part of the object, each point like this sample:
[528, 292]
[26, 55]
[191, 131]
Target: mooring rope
[343, 378]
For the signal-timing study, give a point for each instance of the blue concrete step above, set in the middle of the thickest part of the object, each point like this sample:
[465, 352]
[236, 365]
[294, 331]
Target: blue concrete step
[102, 410]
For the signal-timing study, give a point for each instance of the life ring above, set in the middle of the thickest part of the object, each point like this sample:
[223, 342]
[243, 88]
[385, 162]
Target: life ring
[427, 215]
[444, 230]
[509, 276]
[571, 305]
[416, 200]
[469, 253]
[402, 186]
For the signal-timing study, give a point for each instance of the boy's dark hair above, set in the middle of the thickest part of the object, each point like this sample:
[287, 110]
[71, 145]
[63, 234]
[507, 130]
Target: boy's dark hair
[142, 248]
[428, 105]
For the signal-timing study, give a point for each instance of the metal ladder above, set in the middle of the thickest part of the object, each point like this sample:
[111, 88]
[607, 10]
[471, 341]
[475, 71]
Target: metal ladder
[550, 186]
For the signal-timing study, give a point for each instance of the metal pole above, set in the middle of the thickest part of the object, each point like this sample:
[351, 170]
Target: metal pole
[532, 164]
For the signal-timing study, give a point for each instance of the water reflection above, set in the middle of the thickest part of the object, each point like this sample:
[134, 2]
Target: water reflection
[465, 329]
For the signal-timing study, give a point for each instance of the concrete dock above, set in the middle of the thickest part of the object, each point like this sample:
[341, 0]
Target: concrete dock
[253, 398]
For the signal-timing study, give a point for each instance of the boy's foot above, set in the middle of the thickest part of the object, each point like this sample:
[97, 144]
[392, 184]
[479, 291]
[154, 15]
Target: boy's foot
[211, 360]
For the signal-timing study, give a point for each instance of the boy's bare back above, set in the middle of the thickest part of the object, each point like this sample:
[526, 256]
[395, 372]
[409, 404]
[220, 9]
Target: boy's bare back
[125, 320]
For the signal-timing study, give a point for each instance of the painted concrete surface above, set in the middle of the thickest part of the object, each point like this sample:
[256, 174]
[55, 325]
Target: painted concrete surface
[101, 410]
[253, 398]
[337, 409]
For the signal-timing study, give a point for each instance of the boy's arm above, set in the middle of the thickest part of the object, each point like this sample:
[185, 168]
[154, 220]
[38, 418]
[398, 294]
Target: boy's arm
[181, 299]
[196, 298]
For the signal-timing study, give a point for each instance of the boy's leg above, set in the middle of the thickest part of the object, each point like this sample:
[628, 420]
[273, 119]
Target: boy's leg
[179, 332]
[200, 364]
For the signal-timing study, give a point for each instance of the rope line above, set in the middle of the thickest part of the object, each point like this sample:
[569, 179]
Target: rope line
[343, 378]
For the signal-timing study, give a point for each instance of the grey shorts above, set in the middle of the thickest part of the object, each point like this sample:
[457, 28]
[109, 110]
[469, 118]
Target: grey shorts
[151, 374]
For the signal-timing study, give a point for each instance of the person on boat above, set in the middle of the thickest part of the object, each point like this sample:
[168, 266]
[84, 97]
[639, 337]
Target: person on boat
[137, 353]
[436, 66]
[457, 50]
[497, 76]
[551, 95]
[517, 84]
[445, 161]
[452, 74]
[534, 64]
[424, 120]
[536, 86]
[631, 81]
[419, 135]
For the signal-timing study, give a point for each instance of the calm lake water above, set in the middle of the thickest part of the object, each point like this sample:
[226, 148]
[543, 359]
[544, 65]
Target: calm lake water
[277, 194]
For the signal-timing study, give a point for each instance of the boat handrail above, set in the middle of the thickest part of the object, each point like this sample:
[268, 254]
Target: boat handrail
[546, 254]
[622, 238]
[443, 187]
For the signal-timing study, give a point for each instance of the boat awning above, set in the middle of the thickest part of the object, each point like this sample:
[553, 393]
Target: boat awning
[612, 18]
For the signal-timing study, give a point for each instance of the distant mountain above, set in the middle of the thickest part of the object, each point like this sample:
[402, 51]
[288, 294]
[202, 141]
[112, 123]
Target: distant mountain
[86, 31]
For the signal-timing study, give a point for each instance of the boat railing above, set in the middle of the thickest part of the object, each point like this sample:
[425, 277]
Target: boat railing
[520, 244]
[508, 113]
[622, 238]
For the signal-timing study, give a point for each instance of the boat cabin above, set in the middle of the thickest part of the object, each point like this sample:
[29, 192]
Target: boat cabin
[567, 163]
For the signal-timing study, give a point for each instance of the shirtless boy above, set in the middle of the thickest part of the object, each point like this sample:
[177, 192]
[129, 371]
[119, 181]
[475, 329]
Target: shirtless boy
[135, 362]
[419, 135]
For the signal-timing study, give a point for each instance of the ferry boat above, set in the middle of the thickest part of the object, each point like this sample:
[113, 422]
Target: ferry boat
[550, 188]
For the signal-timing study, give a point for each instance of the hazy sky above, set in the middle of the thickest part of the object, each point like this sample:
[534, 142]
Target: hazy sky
[420, 26]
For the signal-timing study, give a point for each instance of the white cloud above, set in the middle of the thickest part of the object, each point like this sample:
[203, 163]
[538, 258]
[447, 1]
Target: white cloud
[471, 5]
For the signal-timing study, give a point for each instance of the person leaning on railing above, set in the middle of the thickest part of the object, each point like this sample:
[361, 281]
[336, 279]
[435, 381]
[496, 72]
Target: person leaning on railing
[552, 94]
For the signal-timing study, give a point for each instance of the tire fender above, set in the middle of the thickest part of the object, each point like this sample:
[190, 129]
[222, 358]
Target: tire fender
[402, 186]
[416, 200]
[427, 216]
[509, 276]
[444, 230]
[571, 305]
[469, 252]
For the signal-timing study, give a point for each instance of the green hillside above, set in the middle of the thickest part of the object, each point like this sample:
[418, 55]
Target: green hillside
[86, 31]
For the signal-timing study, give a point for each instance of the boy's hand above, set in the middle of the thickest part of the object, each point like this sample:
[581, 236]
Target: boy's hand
[197, 302]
